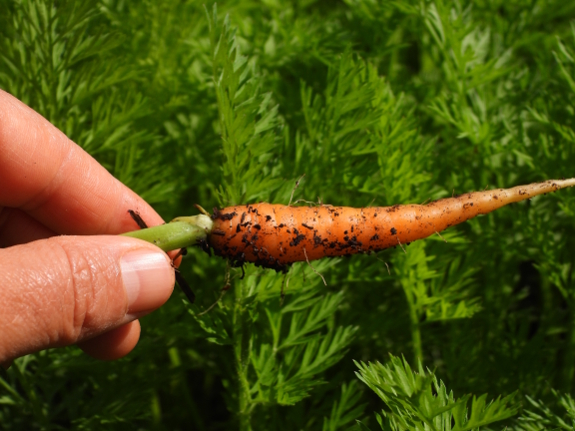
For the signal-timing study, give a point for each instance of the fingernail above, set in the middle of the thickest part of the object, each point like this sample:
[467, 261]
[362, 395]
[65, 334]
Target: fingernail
[148, 278]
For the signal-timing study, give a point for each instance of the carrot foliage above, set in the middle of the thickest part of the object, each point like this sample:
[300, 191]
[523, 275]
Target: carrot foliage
[377, 103]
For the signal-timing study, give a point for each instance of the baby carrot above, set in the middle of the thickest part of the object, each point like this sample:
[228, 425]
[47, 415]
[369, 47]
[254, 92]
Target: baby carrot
[274, 236]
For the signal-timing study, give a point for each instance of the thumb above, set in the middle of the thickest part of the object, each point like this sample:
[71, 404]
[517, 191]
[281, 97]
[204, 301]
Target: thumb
[62, 290]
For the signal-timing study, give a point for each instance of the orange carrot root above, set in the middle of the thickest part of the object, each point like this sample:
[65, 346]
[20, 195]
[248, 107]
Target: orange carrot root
[274, 236]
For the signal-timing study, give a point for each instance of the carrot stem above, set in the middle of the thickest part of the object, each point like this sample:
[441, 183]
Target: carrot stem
[243, 325]
[569, 355]
[415, 327]
[179, 233]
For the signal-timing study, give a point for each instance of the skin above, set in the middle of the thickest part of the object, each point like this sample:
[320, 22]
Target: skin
[61, 290]
[274, 236]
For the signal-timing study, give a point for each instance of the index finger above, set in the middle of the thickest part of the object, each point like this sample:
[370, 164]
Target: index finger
[52, 179]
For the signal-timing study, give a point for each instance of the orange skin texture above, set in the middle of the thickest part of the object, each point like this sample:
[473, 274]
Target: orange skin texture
[274, 236]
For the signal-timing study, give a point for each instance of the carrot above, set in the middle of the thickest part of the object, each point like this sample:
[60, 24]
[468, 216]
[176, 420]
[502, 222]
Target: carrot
[275, 236]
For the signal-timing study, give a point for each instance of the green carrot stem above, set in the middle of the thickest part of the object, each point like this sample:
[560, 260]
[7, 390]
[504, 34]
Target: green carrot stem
[179, 233]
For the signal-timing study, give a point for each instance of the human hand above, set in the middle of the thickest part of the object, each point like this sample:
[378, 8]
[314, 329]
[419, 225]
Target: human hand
[60, 290]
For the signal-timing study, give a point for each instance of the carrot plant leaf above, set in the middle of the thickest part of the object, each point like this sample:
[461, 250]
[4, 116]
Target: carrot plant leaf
[417, 400]
[247, 118]
[539, 416]
[300, 343]
[345, 410]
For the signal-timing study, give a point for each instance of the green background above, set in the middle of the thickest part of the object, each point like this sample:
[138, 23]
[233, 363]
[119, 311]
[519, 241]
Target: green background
[377, 103]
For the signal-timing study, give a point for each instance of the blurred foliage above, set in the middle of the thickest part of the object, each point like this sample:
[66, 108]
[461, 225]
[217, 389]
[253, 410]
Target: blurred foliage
[376, 103]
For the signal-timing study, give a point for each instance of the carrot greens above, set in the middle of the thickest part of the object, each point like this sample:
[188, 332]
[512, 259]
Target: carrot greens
[377, 103]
